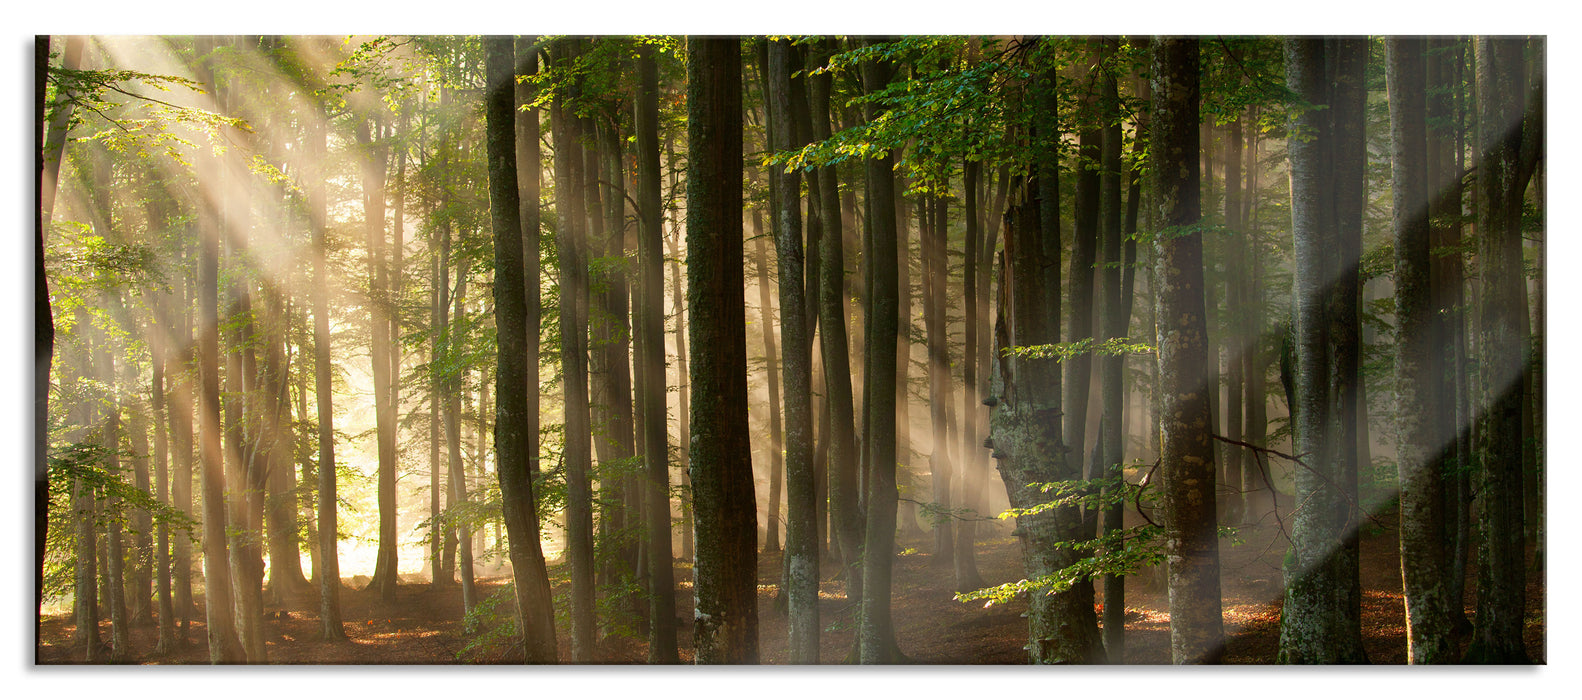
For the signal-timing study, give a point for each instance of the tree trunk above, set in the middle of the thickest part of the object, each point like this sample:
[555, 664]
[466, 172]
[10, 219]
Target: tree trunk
[1259, 495]
[876, 634]
[776, 450]
[1187, 461]
[795, 333]
[330, 625]
[971, 480]
[725, 628]
[1024, 429]
[573, 261]
[1510, 135]
[1419, 436]
[515, 437]
[1320, 622]
[651, 330]
[1115, 312]
[376, 149]
[846, 517]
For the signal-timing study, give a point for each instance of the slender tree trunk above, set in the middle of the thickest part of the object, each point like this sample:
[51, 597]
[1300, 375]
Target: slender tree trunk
[651, 330]
[835, 353]
[1115, 311]
[776, 450]
[1259, 495]
[876, 634]
[1320, 622]
[939, 466]
[375, 152]
[1235, 335]
[160, 339]
[85, 590]
[725, 628]
[574, 297]
[971, 481]
[1077, 384]
[1419, 438]
[1510, 140]
[47, 156]
[1187, 462]
[801, 547]
[140, 612]
[328, 567]
[514, 436]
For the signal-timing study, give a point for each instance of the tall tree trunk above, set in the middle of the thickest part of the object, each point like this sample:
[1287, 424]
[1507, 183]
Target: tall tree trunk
[1187, 461]
[1024, 429]
[833, 345]
[1509, 144]
[725, 628]
[1235, 335]
[1259, 495]
[330, 625]
[85, 587]
[1419, 437]
[375, 152]
[1115, 312]
[683, 376]
[801, 547]
[1077, 384]
[140, 613]
[772, 358]
[939, 390]
[160, 339]
[1321, 620]
[47, 156]
[113, 576]
[876, 634]
[573, 261]
[651, 331]
[971, 447]
[514, 436]
[1458, 416]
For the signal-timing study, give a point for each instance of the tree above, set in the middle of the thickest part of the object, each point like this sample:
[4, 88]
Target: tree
[513, 435]
[833, 344]
[571, 246]
[651, 339]
[1419, 441]
[876, 635]
[1509, 146]
[329, 570]
[1187, 459]
[1321, 619]
[801, 547]
[725, 629]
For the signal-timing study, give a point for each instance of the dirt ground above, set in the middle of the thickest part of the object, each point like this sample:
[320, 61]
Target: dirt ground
[425, 626]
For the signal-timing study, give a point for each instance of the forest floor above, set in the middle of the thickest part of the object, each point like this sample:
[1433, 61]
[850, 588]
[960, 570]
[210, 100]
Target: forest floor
[424, 625]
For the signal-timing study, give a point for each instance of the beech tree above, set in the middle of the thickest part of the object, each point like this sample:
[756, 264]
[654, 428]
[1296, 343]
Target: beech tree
[725, 628]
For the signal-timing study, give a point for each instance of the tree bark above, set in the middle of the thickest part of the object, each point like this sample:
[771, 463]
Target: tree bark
[834, 347]
[1320, 622]
[513, 434]
[725, 628]
[1419, 437]
[796, 350]
[651, 330]
[876, 634]
[1509, 133]
[573, 261]
[330, 625]
[1187, 461]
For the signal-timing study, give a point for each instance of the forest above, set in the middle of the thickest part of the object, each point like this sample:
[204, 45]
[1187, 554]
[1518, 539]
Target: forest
[917, 349]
